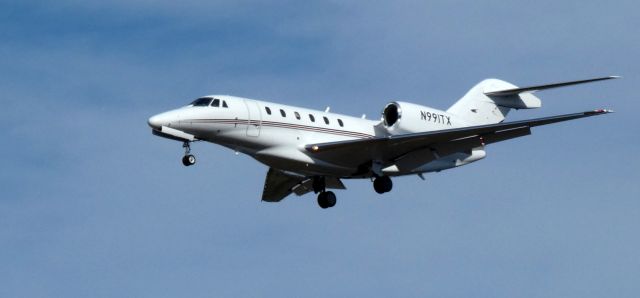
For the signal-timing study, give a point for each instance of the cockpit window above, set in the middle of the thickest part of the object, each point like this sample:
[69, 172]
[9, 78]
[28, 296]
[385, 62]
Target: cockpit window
[224, 104]
[215, 103]
[201, 102]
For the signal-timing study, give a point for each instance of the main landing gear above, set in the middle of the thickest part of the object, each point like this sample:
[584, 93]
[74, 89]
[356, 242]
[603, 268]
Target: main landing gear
[326, 199]
[188, 159]
[382, 184]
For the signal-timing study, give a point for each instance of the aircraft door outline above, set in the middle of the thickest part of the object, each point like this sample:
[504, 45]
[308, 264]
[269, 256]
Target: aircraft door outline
[254, 118]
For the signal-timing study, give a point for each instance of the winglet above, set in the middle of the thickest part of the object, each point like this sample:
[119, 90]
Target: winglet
[599, 111]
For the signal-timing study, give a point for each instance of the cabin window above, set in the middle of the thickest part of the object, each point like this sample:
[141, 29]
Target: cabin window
[201, 102]
[297, 115]
[215, 103]
[283, 113]
[313, 119]
[326, 120]
[268, 110]
[340, 122]
[224, 104]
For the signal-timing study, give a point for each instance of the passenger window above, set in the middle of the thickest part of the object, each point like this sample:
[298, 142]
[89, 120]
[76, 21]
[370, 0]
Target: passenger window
[224, 104]
[313, 119]
[297, 115]
[326, 120]
[268, 110]
[201, 102]
[340, 122]
[283, 113]
[215, 103]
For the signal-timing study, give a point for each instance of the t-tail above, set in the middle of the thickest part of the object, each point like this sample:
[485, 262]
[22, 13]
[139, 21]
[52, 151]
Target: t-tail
[490, 101]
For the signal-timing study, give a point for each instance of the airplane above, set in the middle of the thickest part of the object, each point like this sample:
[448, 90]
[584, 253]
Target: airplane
[312, 151]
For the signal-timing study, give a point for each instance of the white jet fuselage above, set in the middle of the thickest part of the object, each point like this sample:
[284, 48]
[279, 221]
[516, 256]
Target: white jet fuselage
[310, 150]
[277, 134]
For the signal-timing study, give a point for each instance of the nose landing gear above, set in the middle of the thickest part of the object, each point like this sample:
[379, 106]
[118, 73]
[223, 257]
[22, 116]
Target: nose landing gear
[188, 159]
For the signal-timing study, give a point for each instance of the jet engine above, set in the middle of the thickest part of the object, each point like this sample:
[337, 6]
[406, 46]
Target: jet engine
[404, 117]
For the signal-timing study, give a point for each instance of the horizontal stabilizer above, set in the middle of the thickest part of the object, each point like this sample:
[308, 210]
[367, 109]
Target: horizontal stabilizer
[516, 91]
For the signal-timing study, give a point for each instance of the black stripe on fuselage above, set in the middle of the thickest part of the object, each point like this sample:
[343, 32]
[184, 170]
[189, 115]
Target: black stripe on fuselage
[284, 125]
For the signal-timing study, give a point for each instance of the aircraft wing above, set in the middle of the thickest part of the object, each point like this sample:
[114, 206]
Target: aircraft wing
[279, 184]
[392, 148]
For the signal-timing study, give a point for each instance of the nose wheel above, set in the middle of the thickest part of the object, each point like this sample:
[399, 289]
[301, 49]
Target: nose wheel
[188, 159]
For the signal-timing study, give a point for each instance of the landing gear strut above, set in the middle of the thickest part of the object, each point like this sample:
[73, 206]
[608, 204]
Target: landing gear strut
[188, 159]
[382, 184]
[326, 199]
[319, 184]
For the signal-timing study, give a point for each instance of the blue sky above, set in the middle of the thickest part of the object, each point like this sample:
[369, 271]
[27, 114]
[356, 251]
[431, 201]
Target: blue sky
[93, 205]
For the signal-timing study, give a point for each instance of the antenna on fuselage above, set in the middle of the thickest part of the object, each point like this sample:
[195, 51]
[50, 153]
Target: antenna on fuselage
[364, 116]
[327, 109]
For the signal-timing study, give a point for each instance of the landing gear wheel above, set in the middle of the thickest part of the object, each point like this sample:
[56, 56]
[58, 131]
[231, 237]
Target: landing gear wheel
[331, 198]
[326, 199]
[188, 160]
[382, 184]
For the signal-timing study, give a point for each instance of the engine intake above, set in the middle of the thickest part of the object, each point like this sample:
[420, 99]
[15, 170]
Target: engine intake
[391, 114]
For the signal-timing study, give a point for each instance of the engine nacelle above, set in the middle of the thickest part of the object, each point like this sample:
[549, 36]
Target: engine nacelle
[405, 117]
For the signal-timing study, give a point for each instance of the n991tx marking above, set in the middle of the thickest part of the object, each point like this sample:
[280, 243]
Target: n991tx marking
[312, 151]
[438, 118]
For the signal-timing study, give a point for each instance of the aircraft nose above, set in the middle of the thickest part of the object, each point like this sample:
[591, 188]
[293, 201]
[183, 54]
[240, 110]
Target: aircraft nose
[169, 119]
[156, 121]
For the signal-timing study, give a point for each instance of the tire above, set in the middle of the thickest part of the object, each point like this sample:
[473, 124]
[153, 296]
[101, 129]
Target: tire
[188, 160]
[388, 184]
[378, 186]
[330, 198]
[322, 200]
[382, 184]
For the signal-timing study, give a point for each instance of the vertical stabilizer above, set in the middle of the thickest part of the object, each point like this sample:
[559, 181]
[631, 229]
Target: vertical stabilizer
[478, 108]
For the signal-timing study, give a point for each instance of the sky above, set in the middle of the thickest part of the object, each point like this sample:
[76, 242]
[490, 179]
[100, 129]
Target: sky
[92, 204]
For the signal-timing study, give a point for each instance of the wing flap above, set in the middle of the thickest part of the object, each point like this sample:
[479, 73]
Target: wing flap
[278, 185]
[307, 185]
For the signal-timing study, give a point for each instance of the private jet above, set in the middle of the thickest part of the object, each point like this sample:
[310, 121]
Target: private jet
[312, 151]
